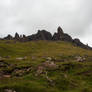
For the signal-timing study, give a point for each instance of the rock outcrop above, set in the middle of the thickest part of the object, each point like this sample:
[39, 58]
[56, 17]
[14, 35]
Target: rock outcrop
[41, 35]
[9, 37]
[60, 35]
[45, 35]
[17, 37]
[78, 43]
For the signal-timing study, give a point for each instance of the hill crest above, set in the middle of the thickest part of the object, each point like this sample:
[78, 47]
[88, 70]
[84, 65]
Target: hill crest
[45, 35]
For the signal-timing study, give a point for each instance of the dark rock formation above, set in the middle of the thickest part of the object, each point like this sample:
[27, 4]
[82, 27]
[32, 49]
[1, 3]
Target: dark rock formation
[41, 35]
[60, 35]
[9, 37]
[23, 38]
[45, 35]
[77, 42]
[17, 37]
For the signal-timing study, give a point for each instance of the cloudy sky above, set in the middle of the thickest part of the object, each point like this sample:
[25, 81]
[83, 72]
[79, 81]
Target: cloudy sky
[27, 16]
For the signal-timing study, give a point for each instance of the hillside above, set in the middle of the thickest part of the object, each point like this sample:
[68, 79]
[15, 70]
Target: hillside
[49, 66]
[44, 35]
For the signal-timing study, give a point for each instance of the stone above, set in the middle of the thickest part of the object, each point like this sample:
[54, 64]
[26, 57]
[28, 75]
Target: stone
[80, 59]
[40, 70]
[50, 65]
[48, 58]
[21, 58]
[9, 90]
[18, 72]
[6, 76]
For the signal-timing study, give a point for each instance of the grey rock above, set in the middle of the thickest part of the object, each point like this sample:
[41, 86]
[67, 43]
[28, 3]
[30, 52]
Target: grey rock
[41, 35]
[9, 37]
[61, 36]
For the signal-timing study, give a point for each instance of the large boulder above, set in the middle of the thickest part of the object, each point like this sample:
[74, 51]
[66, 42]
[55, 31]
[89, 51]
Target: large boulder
[41, 35]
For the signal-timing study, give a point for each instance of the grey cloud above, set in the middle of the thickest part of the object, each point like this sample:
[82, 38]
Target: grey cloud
[27, 16]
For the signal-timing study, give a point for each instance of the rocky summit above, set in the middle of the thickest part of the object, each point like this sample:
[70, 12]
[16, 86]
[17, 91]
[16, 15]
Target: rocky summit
[45, 35]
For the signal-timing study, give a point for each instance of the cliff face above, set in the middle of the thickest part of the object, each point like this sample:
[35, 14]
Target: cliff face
[45, 35]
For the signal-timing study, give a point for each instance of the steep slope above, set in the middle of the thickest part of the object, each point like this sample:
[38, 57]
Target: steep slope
[47, 66]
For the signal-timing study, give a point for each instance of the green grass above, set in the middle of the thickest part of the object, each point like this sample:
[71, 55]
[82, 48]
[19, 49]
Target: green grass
[71, 76]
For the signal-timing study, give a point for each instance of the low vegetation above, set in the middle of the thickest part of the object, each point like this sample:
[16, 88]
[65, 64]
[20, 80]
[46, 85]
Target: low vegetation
[44, 66]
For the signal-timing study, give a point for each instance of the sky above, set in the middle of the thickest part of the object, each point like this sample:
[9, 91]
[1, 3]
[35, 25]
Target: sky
[27, 16]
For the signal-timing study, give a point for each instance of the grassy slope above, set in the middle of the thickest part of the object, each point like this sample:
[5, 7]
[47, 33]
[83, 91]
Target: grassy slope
[70, 77]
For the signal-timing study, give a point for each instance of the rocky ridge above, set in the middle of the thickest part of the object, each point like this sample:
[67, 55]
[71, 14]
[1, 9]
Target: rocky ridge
[45, 35]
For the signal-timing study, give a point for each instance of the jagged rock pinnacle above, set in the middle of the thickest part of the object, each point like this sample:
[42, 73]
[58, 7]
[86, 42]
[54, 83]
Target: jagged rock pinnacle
[60, 30]
[16, 36]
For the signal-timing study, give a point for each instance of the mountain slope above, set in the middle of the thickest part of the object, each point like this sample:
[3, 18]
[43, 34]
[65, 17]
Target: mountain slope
[47, 66]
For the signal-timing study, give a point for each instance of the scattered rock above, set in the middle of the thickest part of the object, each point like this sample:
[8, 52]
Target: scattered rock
[21, 71]
[3, 64]
[21, 58]
[80, 59]
[51, 82]
[40, 70]
[46, 65]
[48, 58]
[18, 72]
[50, 65]
[9, 90]
[6, 76]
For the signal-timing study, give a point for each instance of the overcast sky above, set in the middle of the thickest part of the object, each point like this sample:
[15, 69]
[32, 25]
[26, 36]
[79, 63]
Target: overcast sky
[27, 16]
